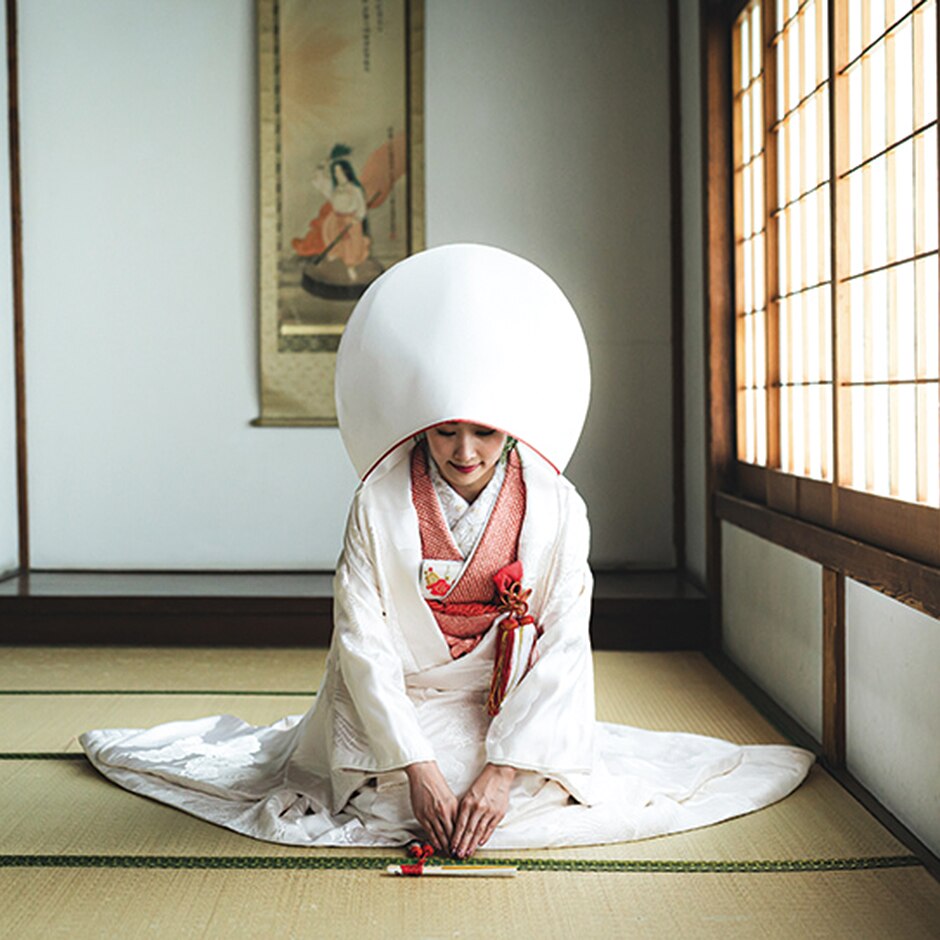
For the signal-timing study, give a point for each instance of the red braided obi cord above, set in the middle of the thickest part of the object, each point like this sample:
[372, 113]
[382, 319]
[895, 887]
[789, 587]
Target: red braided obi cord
[420, 852]
[470, 608]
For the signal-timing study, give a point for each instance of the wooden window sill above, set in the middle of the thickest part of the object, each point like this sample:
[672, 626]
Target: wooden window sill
[907, 580]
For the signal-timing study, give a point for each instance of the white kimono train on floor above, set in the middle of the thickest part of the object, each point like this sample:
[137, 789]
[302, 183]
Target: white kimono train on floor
[392, 695]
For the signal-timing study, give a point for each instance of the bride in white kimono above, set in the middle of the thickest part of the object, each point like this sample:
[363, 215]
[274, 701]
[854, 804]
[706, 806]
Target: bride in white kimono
[458, 698]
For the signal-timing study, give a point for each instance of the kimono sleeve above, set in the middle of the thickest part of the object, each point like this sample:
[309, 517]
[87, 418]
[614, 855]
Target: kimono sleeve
[370, 665]
[546, 723]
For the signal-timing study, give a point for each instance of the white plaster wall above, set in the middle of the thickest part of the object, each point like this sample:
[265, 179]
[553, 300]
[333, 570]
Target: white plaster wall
[893, 707]
[546, 134]
[139, 203]
[772, 610]
[690, 108]
[772, 621]
[9, 549]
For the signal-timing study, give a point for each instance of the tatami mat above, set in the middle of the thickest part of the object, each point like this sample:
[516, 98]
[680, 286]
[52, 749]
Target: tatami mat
[660, 691]
[92, 817]
[95, 903]
[149, 668]
[53, 722]
[59, 813]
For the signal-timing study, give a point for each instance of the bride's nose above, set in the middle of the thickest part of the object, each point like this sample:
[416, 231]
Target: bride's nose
[463, 445]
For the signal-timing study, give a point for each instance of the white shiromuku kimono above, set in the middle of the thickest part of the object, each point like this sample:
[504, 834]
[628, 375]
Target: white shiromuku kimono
[393, 694]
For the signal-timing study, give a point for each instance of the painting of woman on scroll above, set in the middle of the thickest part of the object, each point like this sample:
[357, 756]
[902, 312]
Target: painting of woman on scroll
[337, 242]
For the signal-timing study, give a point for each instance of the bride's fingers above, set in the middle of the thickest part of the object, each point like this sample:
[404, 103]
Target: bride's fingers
[460, 827]
[459, 837]
[479, 835]
[436, 834]
[448, 824]
[443, 824]
[469, 839]
[487, 832]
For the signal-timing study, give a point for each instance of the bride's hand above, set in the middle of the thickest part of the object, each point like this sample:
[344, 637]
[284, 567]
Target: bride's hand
[433, 803]
[482, 809]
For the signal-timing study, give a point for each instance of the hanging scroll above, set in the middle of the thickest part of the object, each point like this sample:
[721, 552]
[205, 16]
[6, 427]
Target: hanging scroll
[341, 181]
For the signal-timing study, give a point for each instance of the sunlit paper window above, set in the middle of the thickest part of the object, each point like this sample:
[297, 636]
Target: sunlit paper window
[802, 220]
[851, 297]
[887, 68]
[750, 235]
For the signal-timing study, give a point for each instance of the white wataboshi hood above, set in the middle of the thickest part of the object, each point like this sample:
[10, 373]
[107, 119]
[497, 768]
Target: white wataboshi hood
[462, 333]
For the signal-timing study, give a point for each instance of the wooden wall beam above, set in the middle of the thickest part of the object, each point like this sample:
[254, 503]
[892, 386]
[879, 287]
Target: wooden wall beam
[16, 242]
[833, 672]
[677, 297]
[910, 582]
[718, 251]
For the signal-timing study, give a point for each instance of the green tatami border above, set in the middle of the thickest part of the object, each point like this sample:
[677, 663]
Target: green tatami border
[43, 755]
[357, 862]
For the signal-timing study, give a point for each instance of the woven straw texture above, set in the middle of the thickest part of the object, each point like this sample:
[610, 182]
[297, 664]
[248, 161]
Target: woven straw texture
[82, 858]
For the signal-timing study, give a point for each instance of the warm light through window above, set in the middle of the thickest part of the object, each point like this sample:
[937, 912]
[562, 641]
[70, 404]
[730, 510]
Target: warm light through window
[838, 334]
[888, 195]
[750, 225]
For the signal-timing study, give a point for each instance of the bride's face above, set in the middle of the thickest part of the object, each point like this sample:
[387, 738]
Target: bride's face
[466, 455]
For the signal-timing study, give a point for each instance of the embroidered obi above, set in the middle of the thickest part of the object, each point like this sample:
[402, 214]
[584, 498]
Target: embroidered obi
[464, 601]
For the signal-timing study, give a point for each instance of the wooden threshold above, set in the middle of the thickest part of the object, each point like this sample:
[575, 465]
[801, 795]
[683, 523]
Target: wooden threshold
[632, 610]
